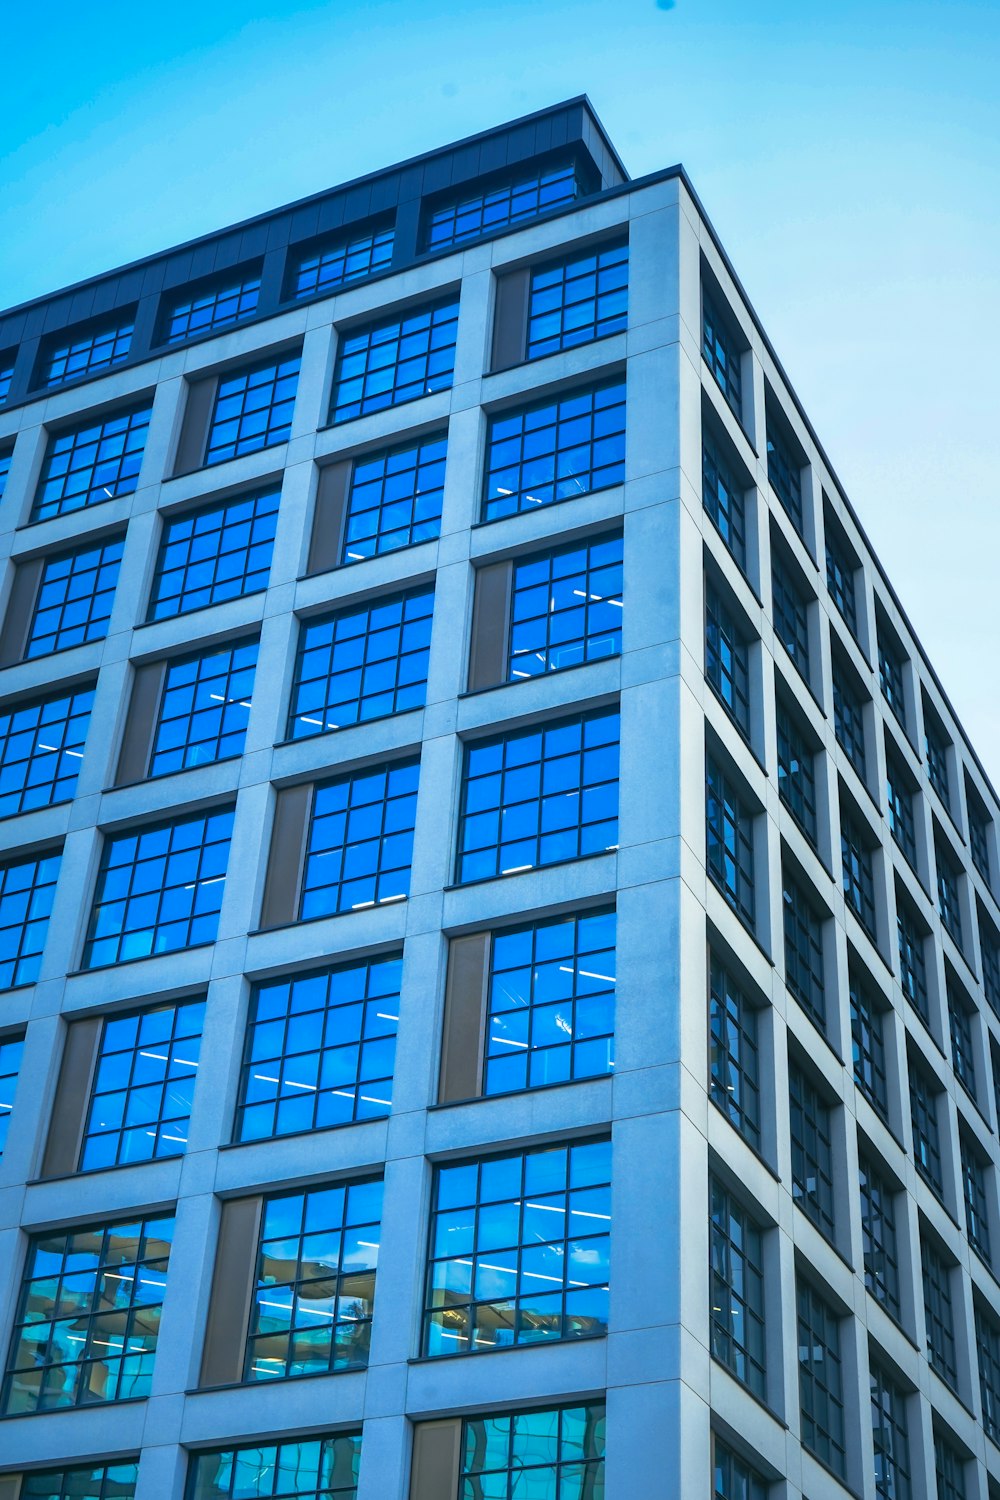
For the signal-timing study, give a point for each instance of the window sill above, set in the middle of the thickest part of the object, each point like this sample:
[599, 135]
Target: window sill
[356, 562]
[122, 786]
[298, 1135]
[328, 916]
[281, 1380]
[218, 463]
[754, 1151]
[142, 958]
[761, 1401]
[538, 1088]
[737, 415]
[34, 522]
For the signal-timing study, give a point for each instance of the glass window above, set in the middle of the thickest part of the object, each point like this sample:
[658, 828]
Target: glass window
[734, 1478]
[900, 798]
[524, 195]
[727, 658]
[880, 1248]
[359, 663]
[980, 824]
[736, 1292]
[840, 570]
[88, 1315]
[803, 928]
[890, 676]
[216, 553]
[858, 871]
[989, 947]
[114, 1481]
[316, 1264]
[327, 264]
[796, 778]
[812, 1150]
[540, 1454]
[912, 966]
[892, 1446]
[868, 1044]
[360, 840]
[519, 1249]
[784, 473]
[554, 450]
[253, 409]
[573, 301]
[734, 1055]
[721, 352]
[204, 708]
[791, 614]
[74, 598]
[395, 499]
[85, 465]
[159, 889]
[6, 454]
[963, 1053]
[320, 1049]
[948, 885]
[949, 1469]
[27, 890]
[974, 1194]
[227, 302]
[988, 1350]
[6, 375]
[729, 842]
[87, 353]
[538, 796]
[566, 608]
[313, 1468]
[937, 746]
[926, 1133]
[723, 498]
[821, 1392]
[849, 722]
[41, 746]
[140, 1100]
[11, 1050]
[551, 1003]
[396, 359]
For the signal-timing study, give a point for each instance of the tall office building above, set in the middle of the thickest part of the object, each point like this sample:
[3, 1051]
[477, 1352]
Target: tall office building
[497, 913]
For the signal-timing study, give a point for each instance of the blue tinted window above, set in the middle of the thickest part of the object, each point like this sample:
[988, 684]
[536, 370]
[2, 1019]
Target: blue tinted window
[360, 840]
[395, 499]
[804, 965]
[784, 474]
[729, 841]
[11, 1050]
[552, 1003]
[323, 267]
[6, 455]
[27, 890]
[394, 360]
[6, 375]
[537, 796]
[140, 1101]
[727, 657]
[253, 409]
[114, 1481]
[320, 1050]
[89, 464]
[361, 663]
[194, 313]
[74, 599]
[577, 300]
[723, 499]
[41, 746]
[721, 352]
[791, 614]
[529, 193]
[216, 553]
[890, 676]
[542, 1454]
[204, 708]
[555, 450]
[159, 889]
[88, 353]
[313, 1468]
[566, 608]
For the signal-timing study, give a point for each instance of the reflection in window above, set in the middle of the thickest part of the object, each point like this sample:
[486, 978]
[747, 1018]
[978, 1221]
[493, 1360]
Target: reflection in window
[41, 747]
[204, 709]
[535, 1453]
[85, 465]
[199, 312]
[27, 890]
[566, 608]
[360, 840]
[74, 599]
[394, 360]
[253, 409]
[313, 1468]
[395, 499]
[577, 300]
[11, 1050]
[524, 196]
[216, 553]
[555, 450]
[341, 258]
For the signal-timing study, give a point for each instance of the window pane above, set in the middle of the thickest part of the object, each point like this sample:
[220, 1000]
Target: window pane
[27, 890]
[330, 263]
[525, 195]
[11, 1050]
[74, 598]
[395, 499]
[555, 450]
[216, 553]
[85, 465]
[360, 840]
[566, 608]
[71, 358]
[312, 1468]
[41, 747]
[573, 301]
[193, 313]
[736, 1293]
[393, 360]
[253, 409]
[541, 1455]
[204, 709]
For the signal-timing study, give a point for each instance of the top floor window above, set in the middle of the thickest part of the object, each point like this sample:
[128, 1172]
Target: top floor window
[577, 300]
[723, 498]
[99, 349]
[253, 409]
[324, 265]
[85, 465]
[394, 360]
[192, 313]
[721, 351]
[525, 195]
[784, 473]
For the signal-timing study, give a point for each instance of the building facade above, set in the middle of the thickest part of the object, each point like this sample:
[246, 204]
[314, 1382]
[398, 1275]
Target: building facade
[486, 869]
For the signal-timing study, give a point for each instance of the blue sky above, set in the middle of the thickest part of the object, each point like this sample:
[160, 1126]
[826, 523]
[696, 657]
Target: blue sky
[847, 154]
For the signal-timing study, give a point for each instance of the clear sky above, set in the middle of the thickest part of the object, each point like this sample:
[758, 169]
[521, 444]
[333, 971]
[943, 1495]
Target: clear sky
[848, 155]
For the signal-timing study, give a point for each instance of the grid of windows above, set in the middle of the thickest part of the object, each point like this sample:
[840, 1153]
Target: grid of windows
[721, 352]
[821, 1394]
[566, 608]
[926, 1134]
[88, 1315]
[734, 1057]
[200, 312]
[6, 375]
[880, 1250]
[812, 1150]
[86, 465]
[736, 1292]
[538, 796]
[963, 1055]
[551, 1014]
[323, 267]
[890, 676]
[974, 1195]
[912, 965]
[849, 722]
[253, 409]
[734, 1478]
[791, 615]
[858, 871]
[27, 890]
[727, 658]
[315, 1291]
[939, 1315]
[840, 570]
[534, 1453]
[204, 709]
[395, 499]
[937, 758]
[554, 450]
[892, 1446]
[949, 1469]
[729, 841]
[218, 552]
[576, 300]
[115, 1481]
[41, 746]
[159, 889]
[948, 881]
[868, 1045]
[522, 197]
[988, 1351]
[74, 599]
[394, 359]
[784, 474]
[361, 663]
[803, 928]
[360, 840]
[89, 352]
[723, 498]
[796, 777]
[320, 1049]
[313, 1468]
[11, 1051]
[519, 1249]
[900, 799]
[143, 1085]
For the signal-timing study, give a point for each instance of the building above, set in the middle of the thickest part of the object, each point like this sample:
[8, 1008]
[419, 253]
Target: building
[586, 730]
